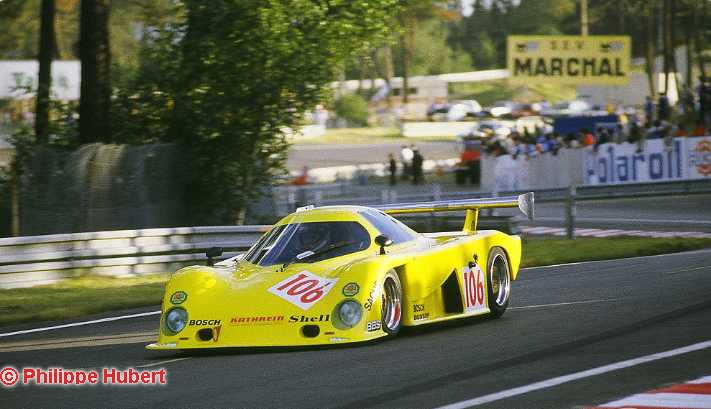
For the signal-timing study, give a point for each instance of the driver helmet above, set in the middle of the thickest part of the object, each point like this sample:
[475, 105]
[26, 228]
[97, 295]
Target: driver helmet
[312, 236]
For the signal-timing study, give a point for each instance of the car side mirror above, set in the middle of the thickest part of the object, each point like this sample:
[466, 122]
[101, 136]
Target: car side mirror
[211, 253]
[383, 241]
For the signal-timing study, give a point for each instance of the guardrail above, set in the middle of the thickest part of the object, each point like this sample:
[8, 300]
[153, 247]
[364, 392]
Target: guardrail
[32, 260]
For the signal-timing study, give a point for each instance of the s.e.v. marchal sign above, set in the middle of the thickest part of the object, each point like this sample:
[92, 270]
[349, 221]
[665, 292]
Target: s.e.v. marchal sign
[602, 60]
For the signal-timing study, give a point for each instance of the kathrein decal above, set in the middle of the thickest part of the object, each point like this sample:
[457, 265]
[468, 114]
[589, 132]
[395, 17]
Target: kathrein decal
[178, 297]
[257, 320]
[473, 281]
[303, 289]
[351, 289]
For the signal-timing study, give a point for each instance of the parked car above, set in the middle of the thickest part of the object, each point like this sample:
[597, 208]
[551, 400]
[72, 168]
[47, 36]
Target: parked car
[567, 108]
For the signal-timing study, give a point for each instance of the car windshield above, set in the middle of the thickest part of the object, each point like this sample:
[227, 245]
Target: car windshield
[308, 242]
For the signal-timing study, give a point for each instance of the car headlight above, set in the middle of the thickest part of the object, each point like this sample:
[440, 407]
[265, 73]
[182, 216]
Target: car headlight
[350, 313]
[175, 320]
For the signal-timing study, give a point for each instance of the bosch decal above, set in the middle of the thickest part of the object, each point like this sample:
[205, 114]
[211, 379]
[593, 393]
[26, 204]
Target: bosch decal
[203, 323]
[419, 312]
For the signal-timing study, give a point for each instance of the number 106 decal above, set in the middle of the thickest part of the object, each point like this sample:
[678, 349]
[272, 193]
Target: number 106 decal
[304, 289]
[473, 281]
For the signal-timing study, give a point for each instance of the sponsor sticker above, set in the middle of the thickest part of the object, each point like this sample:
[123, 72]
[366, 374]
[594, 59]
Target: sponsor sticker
[303, 318]
[203, 323]
[369, 302]
[304, 289]
[701, 157]
[373, 325]
[419, 313]
[351, 289]
[257, 320]
[178, 297]
[473, 280]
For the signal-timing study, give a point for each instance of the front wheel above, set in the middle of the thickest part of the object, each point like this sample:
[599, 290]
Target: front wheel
[498, 279]
[392, 303]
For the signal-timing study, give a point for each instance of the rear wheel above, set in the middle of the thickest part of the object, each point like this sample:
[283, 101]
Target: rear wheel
[392, 303]
[498, 279]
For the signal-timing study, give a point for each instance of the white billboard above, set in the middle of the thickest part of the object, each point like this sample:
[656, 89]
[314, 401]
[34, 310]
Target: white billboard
[14, 75]
[677, 159]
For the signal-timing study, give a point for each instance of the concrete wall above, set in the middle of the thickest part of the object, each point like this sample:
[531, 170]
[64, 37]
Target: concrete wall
[545, 171]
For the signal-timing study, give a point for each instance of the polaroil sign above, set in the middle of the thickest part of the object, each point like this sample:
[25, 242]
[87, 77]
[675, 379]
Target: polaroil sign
[602, 60]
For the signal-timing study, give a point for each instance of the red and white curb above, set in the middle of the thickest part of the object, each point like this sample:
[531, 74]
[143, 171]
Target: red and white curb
[561, 231]
[694, 394]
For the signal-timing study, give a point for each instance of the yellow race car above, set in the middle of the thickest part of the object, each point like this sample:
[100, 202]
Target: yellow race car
[340, 274]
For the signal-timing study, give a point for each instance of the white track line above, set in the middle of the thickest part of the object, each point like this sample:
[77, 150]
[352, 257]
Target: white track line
[78, 324]
[548, 383]
[525, 307]
[161, 362]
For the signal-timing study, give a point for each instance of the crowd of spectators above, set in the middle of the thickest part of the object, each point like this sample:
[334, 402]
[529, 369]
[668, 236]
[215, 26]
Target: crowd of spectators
[655, 123]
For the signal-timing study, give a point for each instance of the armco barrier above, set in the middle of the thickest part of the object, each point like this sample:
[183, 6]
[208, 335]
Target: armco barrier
[32, 260]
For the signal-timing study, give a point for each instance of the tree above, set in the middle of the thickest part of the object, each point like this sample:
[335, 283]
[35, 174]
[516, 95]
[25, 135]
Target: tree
[95, 55]
[249, 70]
[47, 47]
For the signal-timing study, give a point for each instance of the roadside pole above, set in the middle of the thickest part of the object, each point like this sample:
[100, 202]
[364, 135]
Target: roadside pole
[570, 213]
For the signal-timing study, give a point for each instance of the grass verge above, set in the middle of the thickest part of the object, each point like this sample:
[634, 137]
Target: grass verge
[79, 296]
[545, 251]
[91, 295]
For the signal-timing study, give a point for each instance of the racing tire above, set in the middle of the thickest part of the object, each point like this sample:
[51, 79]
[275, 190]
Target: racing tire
[498, 281]
[391, 306]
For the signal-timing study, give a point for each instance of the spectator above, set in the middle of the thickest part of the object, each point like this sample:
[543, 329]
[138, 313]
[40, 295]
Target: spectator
[680, 131]
[663, 108]
[417, 162]
[699, 130]
[655, 131]
[588, 138]
[705, 103]
[687, 101]
[635, 133]
[392, 168]
[406, 155]
[649, 110]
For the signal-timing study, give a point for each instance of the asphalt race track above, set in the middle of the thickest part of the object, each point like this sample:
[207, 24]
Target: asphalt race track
[563, 320]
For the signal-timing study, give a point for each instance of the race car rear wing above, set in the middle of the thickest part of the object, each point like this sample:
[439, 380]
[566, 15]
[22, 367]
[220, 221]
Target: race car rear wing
[471, 206]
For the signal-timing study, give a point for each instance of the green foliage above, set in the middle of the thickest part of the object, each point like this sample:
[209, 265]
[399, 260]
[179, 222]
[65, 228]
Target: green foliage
[247, 71]
[488, 92]
[353, 108]
[432, 55]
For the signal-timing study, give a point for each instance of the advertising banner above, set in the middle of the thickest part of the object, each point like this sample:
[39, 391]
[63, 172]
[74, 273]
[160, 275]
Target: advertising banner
[676, 159]
[598, 60]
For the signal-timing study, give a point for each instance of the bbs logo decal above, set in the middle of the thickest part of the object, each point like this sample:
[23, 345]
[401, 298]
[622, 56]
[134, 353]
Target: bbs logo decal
[372, 326]
[303, 289]
[473, 281]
